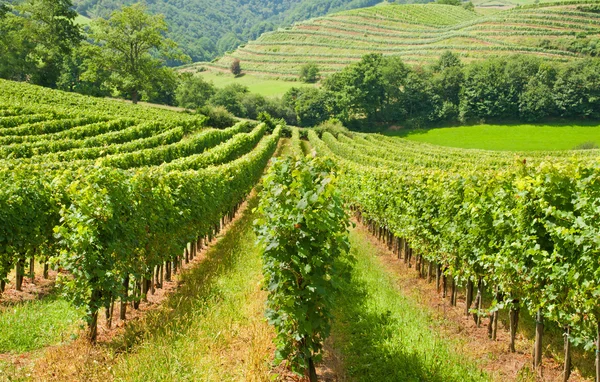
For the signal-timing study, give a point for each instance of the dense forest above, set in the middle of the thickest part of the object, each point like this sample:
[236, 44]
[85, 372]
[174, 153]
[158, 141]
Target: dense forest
[205, 29]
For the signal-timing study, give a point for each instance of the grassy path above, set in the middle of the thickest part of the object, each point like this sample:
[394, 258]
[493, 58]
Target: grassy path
[213, 328]
[382, 336]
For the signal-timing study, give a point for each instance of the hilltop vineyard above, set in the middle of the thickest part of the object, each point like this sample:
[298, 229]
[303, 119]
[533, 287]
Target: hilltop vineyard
[114, 196]
[418, 33]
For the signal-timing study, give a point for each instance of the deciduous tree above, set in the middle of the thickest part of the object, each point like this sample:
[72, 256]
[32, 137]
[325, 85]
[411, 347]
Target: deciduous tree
[134, 48]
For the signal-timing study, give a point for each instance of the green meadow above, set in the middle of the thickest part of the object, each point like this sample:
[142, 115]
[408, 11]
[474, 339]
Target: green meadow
[508, 137]
[256, 84]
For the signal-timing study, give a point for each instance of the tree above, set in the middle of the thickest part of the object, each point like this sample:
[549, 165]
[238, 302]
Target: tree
[36, 38]
[193, 91]
[310, 73]
[230, 97]
[359, 88]
[536, 101]
[469, 6]
[312, 106]
[130, 40]
[236, 68]
[447, 60]
[80, 72]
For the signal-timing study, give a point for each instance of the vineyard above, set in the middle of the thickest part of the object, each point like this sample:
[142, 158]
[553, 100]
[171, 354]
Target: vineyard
[419, 34]
[521, 225]
[116, 197]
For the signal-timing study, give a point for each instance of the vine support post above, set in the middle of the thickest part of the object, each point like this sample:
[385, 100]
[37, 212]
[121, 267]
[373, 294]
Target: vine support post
[496, 314]
[168, 271]
[156, 278]
[32, 268]
[20, 273]
[567, 366]
[93, 318]
[123, 311]
[429, 271]
[539, 335]
[444, 284]
[109, 309]
[514, 323]
[312, 371]
[479, 301]
[598, 353]
[453, 292]
[469, 297]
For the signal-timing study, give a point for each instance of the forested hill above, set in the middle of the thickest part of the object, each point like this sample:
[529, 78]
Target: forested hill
[205, 29]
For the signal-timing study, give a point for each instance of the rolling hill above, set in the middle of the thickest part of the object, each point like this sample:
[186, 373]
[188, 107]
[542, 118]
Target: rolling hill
[419, 33]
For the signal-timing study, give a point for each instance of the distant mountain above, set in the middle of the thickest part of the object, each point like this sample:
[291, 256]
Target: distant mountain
[206, 29]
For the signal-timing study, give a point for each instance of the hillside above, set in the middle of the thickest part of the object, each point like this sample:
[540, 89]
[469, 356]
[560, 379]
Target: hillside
[419, 33]
[206, 29]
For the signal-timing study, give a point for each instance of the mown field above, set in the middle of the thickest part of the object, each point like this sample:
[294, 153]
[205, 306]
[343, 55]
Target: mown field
[419, 34]
[256, 84]
[558, 136]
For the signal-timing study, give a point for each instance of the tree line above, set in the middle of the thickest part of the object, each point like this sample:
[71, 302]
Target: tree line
[384, 90]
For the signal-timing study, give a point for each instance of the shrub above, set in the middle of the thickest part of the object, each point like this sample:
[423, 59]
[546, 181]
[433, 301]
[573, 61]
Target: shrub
[193, 91]
[332, 126]
[236, 67]
[310, 73]
[218, 116]
[271, 122]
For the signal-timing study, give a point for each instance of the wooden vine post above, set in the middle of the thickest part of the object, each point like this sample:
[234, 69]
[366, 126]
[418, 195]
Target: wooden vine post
[539, 334]
[469, 296]
[123, 310]
[598, 353]
[567, 342]
[514, 323]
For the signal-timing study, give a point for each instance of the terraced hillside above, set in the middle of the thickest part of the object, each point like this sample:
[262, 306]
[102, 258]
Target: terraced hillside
[420, 33]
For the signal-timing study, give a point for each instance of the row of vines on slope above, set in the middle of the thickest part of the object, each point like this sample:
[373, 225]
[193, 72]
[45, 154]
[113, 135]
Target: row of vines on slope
[524, 227]
[116, 203]
[303, 229]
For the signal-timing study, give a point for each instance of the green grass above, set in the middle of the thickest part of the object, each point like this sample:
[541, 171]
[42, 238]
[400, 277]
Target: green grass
[35, 324]
[508, 137]
[256, 84]
[384, 336]
[213, 328]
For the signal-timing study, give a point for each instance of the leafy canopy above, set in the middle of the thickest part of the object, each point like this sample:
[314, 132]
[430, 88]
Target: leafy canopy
[303, 229]
[131, 41]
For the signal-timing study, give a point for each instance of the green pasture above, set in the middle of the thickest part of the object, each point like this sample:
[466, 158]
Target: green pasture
[256, 84]
[540, 137]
